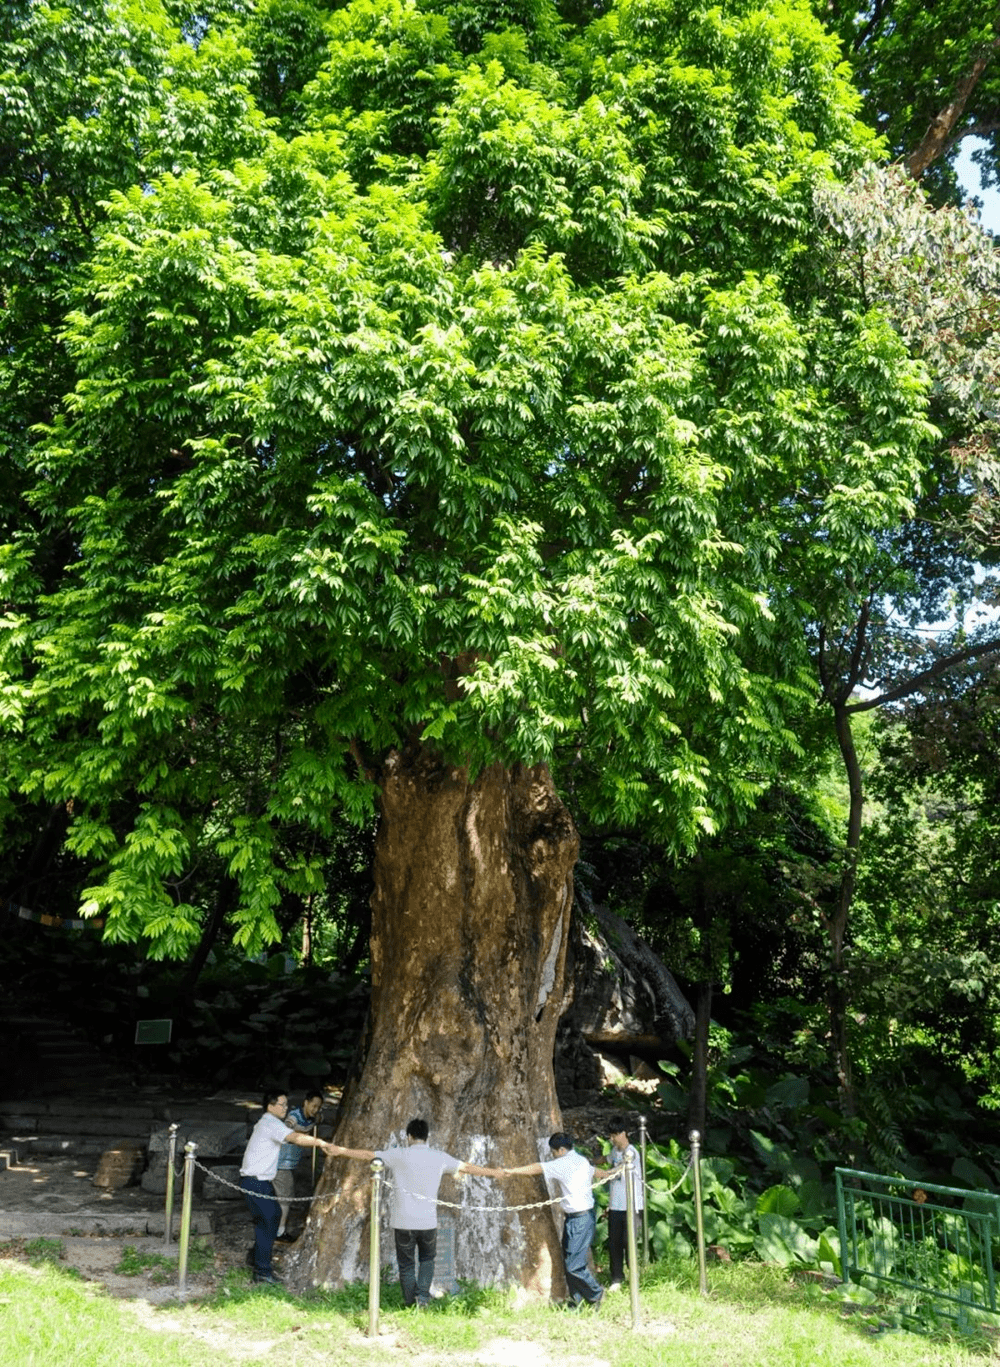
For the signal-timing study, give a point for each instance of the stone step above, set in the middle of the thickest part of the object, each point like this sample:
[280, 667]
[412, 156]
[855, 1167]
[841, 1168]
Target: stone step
[30, 1224]
[69, 1114]
[106, 1123]
[67, 1106]
[80, 1146]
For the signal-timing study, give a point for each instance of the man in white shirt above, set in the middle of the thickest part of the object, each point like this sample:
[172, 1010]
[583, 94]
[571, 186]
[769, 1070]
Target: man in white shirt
[260, 1163]
[416, 1171]
[304, 1119]
[573, 1175]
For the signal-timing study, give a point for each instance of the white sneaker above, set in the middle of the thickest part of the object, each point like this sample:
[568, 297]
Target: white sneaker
[615, 1286]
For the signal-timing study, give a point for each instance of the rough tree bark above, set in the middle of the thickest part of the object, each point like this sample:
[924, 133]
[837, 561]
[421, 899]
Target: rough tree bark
[470, 920]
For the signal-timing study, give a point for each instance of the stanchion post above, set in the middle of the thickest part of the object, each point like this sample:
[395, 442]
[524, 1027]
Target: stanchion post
[182, 1252]
[374, 1254]
[168, 1224]
[645, 1204]
[695, 1139]
[315, 1133]
[630, 1239]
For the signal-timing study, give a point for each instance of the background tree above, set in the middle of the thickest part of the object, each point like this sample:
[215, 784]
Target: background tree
[930, 78]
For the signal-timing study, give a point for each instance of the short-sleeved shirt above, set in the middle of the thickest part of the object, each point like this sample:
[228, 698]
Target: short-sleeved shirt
[572, 1174]
[618, 1194]
[260, 1157]
[290, 1154]
[416, 1175]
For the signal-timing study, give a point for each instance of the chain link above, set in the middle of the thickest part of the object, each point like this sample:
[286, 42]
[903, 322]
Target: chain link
[259, 1195]
[677, 1185]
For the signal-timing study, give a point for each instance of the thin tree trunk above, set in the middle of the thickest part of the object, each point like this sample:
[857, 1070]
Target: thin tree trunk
[470, 921]
[698, 1090]
[225, 900]
[940, 134]
[837, 925]
[307, 943]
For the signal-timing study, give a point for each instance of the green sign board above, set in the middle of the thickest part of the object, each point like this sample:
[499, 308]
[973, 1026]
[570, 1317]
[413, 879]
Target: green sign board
[153, 1032]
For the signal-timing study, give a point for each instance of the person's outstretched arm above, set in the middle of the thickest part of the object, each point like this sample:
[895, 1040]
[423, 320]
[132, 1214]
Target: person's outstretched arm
[338, 1151]
[477, 1171]
[308, 1141]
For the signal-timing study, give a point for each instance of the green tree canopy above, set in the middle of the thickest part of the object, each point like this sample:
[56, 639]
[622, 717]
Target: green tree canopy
[488, 396]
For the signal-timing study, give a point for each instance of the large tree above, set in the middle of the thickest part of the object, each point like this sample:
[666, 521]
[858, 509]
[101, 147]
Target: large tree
[445, 447]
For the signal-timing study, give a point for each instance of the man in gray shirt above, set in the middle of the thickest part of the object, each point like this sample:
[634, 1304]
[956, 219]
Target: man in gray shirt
[417, 1171]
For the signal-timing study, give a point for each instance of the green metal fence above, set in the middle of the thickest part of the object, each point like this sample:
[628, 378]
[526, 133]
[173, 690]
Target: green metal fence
[936, 1243]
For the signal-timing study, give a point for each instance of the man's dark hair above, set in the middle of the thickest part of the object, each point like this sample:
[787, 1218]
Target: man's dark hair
[313, 1091]
[418, 1129]
[560, 1141]
[616, 1124]
[271, 1095]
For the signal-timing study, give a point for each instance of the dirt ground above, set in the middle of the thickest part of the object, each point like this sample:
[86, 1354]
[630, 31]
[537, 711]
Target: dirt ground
[63, 1187]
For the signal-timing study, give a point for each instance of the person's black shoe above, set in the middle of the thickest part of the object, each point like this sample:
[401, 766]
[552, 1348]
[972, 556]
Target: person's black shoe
[268, 1277]
[285, 1238]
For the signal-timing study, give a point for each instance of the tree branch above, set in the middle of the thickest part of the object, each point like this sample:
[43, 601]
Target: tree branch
[914, 685]
[936, 139]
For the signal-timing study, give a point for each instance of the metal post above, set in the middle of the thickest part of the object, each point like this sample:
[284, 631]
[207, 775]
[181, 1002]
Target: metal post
[645, 1203]
[168, 1231]
[630, 1239]
[374, 1255]
[182, 1252]
[845, 1257]
[695, 1139]
[315, 1133]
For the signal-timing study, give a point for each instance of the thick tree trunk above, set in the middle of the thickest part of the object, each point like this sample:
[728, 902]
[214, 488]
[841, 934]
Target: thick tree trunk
[470, 919]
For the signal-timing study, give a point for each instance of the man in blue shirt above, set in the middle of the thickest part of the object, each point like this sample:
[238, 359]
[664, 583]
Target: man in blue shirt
[302, 1119]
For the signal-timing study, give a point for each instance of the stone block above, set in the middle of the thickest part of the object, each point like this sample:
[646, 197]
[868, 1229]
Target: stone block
[214, 1139]
[154, 1179]
[120, 1166]
[222, 1183]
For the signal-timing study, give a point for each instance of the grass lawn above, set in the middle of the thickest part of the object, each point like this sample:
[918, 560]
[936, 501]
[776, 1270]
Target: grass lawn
[754, 1316]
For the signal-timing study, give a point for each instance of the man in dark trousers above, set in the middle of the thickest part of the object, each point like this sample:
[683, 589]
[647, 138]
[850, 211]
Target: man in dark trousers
[416, 1175]
[573, 1175]
[260, 1163]
[621, 1151]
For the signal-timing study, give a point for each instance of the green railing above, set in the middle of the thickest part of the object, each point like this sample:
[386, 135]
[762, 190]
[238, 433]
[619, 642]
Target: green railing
[936, 1243]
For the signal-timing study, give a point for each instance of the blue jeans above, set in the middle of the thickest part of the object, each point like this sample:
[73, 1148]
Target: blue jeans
[577, 1236]
[420, 1246]
[266, 1215]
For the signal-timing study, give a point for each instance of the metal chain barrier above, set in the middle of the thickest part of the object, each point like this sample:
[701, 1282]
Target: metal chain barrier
[417, 1196]
[677, 1185]
[378, 1174]
[530, 1205]
[233, 1186]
